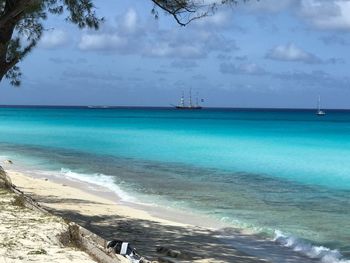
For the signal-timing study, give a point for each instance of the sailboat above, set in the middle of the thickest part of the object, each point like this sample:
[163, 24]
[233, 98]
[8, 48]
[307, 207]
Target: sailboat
[190, 106]
[319, 111]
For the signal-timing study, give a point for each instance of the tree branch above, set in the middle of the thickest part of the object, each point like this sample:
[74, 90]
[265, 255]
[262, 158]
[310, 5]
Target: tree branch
[17, 11]
[174, 13]
[176, 8]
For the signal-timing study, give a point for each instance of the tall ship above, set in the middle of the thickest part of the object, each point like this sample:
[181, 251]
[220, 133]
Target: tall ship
[190, 106]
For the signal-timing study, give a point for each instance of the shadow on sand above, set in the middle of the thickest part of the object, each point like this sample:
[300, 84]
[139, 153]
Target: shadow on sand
[195, 243]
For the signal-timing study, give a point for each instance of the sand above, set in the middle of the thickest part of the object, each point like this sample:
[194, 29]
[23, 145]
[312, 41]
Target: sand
[114, 220]
[32, 236]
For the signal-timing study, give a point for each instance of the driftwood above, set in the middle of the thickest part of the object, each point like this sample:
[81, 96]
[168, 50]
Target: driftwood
[92, 244]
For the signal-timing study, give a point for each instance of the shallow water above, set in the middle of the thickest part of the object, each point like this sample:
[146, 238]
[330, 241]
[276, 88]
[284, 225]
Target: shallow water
[258, 170]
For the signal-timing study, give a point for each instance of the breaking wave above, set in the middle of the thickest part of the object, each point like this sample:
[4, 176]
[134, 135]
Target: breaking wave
[105, 181]
[102, 180]
[324, 254]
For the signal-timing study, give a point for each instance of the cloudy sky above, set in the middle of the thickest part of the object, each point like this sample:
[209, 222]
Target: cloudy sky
[260, 54]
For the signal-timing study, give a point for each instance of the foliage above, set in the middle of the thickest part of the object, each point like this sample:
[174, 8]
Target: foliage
[21, 23]
[19, 200]
[21, 27]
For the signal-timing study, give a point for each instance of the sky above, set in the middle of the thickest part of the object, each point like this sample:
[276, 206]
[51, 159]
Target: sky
[267, 53]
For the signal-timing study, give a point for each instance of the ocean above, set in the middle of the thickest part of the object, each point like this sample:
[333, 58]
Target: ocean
[283, 175]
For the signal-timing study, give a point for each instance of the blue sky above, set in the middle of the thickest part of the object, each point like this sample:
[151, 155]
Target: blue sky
[261, 54]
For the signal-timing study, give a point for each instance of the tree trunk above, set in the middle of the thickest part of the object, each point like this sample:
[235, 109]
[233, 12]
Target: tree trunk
[5, 37]
[6, 32]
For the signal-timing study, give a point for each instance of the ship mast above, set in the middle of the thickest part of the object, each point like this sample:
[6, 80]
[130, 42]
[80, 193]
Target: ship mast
[319, 103]
[182, 100]
[190, 98]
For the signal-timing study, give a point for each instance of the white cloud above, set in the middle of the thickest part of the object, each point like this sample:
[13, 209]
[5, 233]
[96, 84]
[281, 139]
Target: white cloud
[187, 43]
[327, 14]
[165, 49]
[321, 14]
[101, 42]
[130, 21]
[218, 19]
[110, 38]
[243, 69]
[131, 36]
[291, 52]
[53, 39]
[268, 5]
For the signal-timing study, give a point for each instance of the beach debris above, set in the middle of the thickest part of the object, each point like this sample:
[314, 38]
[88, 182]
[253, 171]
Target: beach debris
[40, 251]
[92, 244]
[126, 250]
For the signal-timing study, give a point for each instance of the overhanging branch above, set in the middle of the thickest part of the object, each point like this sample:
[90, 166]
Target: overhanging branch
[178, 8]
[17, 11]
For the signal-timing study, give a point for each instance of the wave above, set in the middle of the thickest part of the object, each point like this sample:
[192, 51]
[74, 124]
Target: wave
[324, 254]
[279, 248]
[105, 181]
[295, 244]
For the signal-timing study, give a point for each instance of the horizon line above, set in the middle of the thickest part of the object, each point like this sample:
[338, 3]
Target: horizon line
[155, 107]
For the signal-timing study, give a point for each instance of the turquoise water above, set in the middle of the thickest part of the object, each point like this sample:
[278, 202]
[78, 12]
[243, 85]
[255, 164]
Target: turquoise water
[264, 170]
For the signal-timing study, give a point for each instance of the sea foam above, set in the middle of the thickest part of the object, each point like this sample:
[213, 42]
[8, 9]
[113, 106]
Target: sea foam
[103, 180]
[324, 254]
[97, 179]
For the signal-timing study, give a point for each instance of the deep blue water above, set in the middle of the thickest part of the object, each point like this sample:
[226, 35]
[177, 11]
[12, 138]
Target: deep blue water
[264, 170]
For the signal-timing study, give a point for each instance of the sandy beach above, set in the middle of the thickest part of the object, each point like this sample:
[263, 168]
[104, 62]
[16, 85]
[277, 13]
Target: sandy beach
[28, 235]
[112, 220]
[174, 131]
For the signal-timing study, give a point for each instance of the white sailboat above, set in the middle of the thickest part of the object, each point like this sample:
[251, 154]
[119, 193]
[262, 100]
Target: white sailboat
[319, 111]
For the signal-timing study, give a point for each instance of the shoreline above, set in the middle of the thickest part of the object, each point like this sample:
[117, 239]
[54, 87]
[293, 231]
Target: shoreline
[68, 187]
[120, 198]
[111, 219]
[103, 212]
